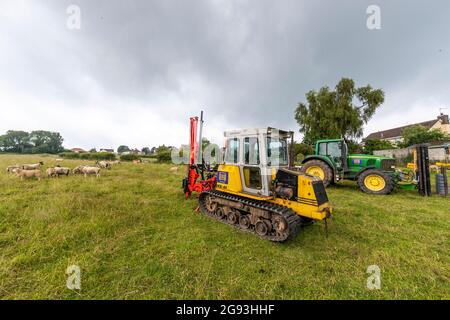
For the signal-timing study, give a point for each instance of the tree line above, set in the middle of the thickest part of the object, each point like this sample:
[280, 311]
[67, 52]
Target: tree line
[39, 141]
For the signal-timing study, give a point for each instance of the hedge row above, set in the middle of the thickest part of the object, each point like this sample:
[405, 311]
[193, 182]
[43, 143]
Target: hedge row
[88, 156]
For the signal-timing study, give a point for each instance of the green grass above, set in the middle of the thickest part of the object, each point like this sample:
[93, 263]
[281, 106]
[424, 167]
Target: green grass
[134, 236]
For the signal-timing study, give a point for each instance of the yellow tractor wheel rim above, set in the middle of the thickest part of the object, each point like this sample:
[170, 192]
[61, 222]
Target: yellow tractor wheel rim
[374, 182]
[316, 171]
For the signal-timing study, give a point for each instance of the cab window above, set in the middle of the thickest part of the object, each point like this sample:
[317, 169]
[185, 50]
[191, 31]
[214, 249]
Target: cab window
[277, 152]
[252, 177]
[251, 151]
[323, 149]
[330, 149]
[334, 149]
[232, 154]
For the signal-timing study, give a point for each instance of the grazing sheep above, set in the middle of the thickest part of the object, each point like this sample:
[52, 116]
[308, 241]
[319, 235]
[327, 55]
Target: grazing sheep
[115, 162]
[137, 161]
[59, 160]
[78, 170]
[29, 174]
[91, 170]
[51, 172]
[103, 164]
[12, 169]
[61, 171]
[57, 171]
[35, 166]
[174, 169]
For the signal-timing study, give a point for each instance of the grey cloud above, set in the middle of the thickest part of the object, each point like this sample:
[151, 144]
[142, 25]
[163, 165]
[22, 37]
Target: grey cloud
[247, 63]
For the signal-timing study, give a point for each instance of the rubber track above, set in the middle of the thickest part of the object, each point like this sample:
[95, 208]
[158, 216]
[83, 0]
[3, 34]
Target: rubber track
[294, 221]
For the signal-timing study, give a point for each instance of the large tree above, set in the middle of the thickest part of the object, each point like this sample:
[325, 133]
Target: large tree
[122, 149]
[338, 113]
[15, 141]
[46, 142]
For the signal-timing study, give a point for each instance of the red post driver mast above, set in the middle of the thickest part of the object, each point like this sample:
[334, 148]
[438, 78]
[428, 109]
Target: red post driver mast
[196, 167]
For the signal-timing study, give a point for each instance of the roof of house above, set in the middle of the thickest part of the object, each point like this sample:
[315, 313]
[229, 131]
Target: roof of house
[76, 149]
[397, 132]
[106, 149]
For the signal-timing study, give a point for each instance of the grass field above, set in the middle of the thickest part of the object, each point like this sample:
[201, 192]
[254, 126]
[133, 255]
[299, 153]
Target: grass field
[135, 237]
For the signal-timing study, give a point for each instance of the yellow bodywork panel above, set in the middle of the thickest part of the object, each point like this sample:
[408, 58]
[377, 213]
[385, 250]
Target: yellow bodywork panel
[229, 178]
[229, 181]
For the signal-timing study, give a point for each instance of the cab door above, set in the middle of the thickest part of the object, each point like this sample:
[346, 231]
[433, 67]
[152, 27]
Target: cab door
[334, 151]
[252, 181]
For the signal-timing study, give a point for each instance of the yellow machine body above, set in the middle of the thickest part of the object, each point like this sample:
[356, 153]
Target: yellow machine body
[258, 189]
[229, 180]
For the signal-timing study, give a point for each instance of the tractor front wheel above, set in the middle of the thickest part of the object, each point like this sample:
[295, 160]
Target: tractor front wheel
[375, 182]
[319, 168]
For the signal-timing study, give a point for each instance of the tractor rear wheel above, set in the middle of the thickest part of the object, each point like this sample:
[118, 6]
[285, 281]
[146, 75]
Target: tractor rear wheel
[319, 168]
[375, 182]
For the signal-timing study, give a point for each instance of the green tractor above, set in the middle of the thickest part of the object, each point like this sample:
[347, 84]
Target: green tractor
[332, 163]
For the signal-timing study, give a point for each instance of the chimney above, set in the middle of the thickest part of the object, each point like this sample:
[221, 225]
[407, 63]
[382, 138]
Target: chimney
[444, 118]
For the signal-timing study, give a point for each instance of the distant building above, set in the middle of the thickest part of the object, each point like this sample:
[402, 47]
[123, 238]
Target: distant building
[133, 151]
[107, 150]
[136, 151]
[395, 135]
[77, 150]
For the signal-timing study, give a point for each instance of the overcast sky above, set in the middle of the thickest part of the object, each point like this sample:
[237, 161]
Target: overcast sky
[137, 70]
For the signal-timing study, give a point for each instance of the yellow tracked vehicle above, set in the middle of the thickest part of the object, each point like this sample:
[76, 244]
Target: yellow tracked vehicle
[256, 189]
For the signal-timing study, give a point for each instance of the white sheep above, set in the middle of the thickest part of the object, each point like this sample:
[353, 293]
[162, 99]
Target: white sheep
[103, 164]
[60, 171]
[29, 174]
[50, 172]
[78, 170]
[35, 166]
[12, 169]
[91, 170]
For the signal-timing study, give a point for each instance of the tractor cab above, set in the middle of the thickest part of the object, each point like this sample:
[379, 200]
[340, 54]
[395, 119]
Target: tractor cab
[251, 159]
[336, 151]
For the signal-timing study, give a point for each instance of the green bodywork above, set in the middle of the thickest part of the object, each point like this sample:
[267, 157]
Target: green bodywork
[348, 166]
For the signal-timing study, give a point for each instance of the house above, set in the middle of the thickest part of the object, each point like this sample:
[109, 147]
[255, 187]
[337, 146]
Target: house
[77, 150]
[132, 151]
[394, 135]
[107, 150]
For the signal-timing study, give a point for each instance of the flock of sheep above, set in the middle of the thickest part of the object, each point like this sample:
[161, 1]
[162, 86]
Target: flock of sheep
[27, 171]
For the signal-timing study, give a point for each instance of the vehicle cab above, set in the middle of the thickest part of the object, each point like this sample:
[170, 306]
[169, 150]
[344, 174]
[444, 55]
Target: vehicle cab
[251, 160]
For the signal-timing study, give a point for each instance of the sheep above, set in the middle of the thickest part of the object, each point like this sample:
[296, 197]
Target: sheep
[57, 171]
[51, 172]
[174, 169]
[78, 170]
[115, 162]
[29, 174]
[61, 171]
[12, 169]
[35, 166]
[91, 170]
[103, 164]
